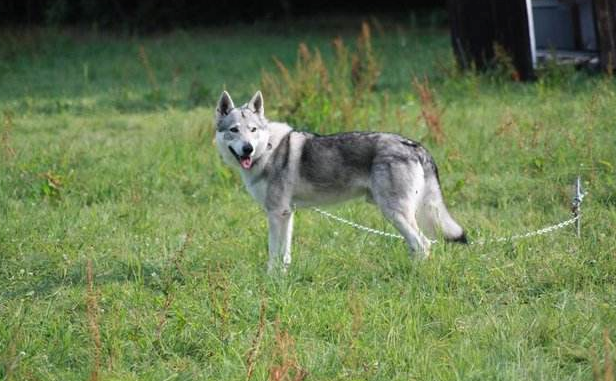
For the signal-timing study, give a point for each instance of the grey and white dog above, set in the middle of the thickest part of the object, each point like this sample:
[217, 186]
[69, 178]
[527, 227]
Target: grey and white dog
[283, 168]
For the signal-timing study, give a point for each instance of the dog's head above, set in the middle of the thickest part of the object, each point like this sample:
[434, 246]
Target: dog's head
[241, 132]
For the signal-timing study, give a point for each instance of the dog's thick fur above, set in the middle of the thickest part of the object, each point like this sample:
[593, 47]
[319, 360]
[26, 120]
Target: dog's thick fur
[283, 168]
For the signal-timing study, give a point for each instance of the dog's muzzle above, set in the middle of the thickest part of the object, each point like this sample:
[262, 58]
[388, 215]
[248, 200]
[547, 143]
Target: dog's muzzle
[245, 159]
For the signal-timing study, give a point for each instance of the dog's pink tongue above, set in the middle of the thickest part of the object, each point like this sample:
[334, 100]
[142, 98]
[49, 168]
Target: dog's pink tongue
[246, 163]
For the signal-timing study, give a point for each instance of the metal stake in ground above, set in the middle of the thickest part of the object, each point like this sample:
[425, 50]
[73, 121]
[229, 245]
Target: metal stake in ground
[576, 206]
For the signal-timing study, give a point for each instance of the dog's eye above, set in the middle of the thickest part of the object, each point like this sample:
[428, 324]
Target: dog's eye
[253, 129]
[234, 130]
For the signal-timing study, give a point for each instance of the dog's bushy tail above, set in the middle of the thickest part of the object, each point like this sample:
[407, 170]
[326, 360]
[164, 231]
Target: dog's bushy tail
[435, 214]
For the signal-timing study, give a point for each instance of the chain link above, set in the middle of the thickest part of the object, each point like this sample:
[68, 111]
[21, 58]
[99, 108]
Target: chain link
[542, 231]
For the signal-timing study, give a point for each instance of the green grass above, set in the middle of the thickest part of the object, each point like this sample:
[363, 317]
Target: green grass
[99, 162]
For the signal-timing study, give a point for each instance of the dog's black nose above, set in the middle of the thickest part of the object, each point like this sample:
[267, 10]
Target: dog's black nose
[247, 149]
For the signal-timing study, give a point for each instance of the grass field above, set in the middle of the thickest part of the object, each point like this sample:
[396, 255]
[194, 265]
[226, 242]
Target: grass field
[129, 252]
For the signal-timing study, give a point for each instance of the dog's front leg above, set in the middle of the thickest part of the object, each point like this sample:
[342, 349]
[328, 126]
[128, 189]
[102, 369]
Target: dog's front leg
[280, 232]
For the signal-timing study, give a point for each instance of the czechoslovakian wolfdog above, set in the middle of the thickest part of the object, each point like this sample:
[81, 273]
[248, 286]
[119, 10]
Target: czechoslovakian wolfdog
[283, 168]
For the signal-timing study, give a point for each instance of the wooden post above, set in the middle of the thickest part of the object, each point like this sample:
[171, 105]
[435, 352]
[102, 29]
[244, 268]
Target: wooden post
[605, 15]
[477, 25]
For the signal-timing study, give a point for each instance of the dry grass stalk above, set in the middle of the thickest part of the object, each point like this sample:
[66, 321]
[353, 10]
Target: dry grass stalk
[311, 93]
[179, 254]
[342, 53]
[608, 374]
[143, 56]
[320, 68]
[357, 307]
[430, 111]
[356, 70]
[286, 366]
[304, 54]
[286, 75]
[9, 358]
[342, 69]
[5, 138]
[11, 362]
[508, 125]
[311, 73]
[92, 312]
[365, 69]
[596, 369]
[352, 358]
[219, 300]
[385, 113]
[162, 316]
[378, 26]
[253, 352]
[269, 82]
[54, 181]
[590, 120]
[400, 120]
[504, 62]
[608, 361]
[176, 259]
[176, 73]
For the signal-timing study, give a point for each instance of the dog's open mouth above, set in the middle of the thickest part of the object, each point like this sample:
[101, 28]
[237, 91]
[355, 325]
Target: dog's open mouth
[245, 161]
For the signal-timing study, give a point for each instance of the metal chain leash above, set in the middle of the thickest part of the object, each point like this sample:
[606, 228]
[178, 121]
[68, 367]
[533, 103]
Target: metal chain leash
[542, 231]
[356, 225]
[576, 209]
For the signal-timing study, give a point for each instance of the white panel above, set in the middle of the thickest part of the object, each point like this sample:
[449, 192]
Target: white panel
[531, 32]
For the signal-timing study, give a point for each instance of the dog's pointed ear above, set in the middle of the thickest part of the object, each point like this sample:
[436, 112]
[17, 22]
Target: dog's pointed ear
[225, 105]
[256, 104]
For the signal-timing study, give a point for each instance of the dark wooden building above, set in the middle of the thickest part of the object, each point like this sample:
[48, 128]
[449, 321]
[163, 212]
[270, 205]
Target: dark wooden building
[530, 31]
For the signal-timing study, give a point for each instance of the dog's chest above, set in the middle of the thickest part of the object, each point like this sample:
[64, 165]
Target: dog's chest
[257, 189]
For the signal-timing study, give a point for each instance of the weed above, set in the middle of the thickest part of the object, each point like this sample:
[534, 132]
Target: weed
[253, 352]
[162, 315]
[9, 358]
[284, 366]
[608, 361]
[431, 113]
[179, 253]
[365, 69]
[51, 186]
[503, 64]
[155, 93]
[5, 137]
[554, 73]
[219, 294]
[325, 98]
[92, 312]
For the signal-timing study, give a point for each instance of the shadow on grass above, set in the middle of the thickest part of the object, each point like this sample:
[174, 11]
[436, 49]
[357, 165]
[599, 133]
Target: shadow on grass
[115, 271]
[142, 102]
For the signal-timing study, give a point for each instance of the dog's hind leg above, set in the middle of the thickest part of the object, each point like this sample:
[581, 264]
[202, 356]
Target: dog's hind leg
[280, 232]
[399, 203]
[435, 214]
[419, 246]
